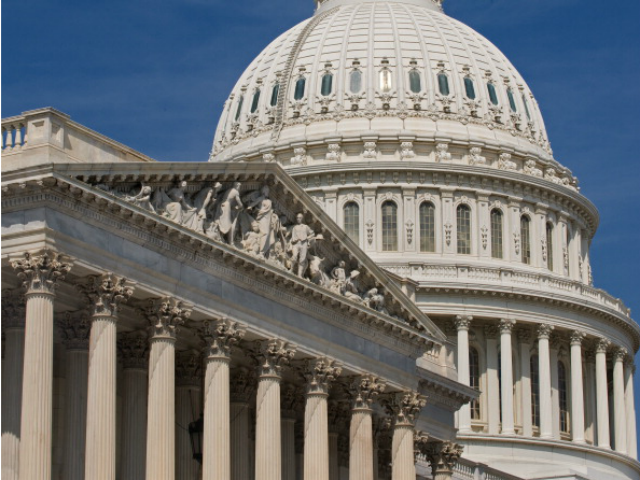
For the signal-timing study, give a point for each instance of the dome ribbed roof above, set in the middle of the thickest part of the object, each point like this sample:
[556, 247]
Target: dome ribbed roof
[372, 36]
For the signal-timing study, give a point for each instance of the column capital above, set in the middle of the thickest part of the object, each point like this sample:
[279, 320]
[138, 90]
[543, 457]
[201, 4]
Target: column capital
[242, 385]
[75, 328]
[462, 322]
[13, 308]
[165, 315]
[272, 355]
[491, 331]
[134, 350]
[524, 335]
[339, 416]
[364, 390]
[319, 374]
[630, 364]
[105, 293]
[292, 399]
[506, 325]
[602, 345]
[443, 456]
[544, 331]
[620, 354]
[577, 337]
[40, 271]
[189, 369]
[405, 407]
[420, 444]
[220, 336]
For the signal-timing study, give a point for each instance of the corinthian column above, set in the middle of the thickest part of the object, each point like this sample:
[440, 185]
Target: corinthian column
[443, 457]
[602, 394]
[220, 336]
[544, 367]
[13, 315]
[242, 389]
[632, 445]
[165, 315]
[75, 332]
[462, 325]
[188, 410]
[319, 374]
[524, 336]
[506, 361]
[39, 273]
[577, 391]
[271, 355]
[105, 293]
[363, 391]
[405, 408]
[134, 350]
[619, 407]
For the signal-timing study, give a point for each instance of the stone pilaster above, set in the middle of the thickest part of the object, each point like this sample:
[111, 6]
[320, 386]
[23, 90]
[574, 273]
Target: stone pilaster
[105, 294]
[220, 336]
[577, 390]
[242, 390]
[619, 407]
[544, 360]
[165, 315]
[632, 441]
[506, 361]
[462, 326]
[524, 337]
[491, 333]
[443, 457]
[189, 373]
[602, 395]
[39, 273]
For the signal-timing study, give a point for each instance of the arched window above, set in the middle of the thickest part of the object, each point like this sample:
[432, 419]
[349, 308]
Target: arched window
[327, 85]
[239, 108]
[493, 95]
[563, 397]
[443, 84]
[525, 239]
[463, 223]
[549, 245]
[385, 80]
[526, 107]
[535, 390]
[256, 101]
[496, 233]
[415, 82]
[474, 381]
[274, 94]
[355, 81]
[351, 213]
[469, 88]
[389, 227]
[512, 101]
[427, 227]
[299, 90]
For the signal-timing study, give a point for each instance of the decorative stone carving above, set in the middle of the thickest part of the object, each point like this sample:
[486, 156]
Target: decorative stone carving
[374, 299]
[443, 457]
[506, 326]
[165, 315]
[475, 157]
[13, 308]
[41, 271]
[484, 234]
[292, 399]
[406, 151]
[370, 150]
[516, 242]
[370, 226]
[602, 345]
[319, 374]
[420, 445]
[134, 350]
[442, 154]
[463, 322]
[544, 330]
[505, 162]
[491, 331]
[242, 385]
[299, 156]
[577, 337]
[301, 238]
[75, 329]
[221, 335]
[189, 369]
[405, 407]
[268, 157]
[364, 390]
[334, 153]
[272, 355]
[448, 228]
[409, 224]
[530, 168]
[106, 292]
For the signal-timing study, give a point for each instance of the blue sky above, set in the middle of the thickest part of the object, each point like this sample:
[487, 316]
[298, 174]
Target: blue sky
[153, 74]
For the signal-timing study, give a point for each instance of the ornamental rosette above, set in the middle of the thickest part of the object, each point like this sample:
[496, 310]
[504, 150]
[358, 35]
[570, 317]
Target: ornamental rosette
[106, 292]
[221, 335]
[319, 374]
[41, 271]
[165, 315]
[364, 390]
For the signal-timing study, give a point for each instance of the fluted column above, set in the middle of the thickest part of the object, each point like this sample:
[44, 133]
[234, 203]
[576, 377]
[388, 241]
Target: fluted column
[363, 392]
[220, 336]
[75, 329]
[443, 457]
[188, 410]
[590, 390]
[134, 350]
[319, 373]
[405, 408]
[39, 273]
[242, 390]
[493, 384]
[602, 395]
[524, 337]
[506, 360]
[164, 315]
[271, 355]
[462, 326]
[546, 420]
[632, 445]
[13, 320]
[577, 390]
[105, 293]
[619, 407]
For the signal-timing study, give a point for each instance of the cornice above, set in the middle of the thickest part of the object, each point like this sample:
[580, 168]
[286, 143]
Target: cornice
[444, 392]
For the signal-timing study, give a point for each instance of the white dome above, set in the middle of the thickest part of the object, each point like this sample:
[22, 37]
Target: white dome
[385, 41]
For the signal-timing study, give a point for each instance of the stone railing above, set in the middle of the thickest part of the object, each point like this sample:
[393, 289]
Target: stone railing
[14, 135]
[468, 470]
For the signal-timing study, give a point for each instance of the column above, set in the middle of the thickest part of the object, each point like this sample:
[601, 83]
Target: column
[220, 336]
[506, 360]
[242, 389]
[13, 320]
[188, 410]
[554, 350]
[462, 325]
[39, 273]
[292, 405]
[632, 445]
[443, 457]
[577, 390]
[524, 337]
[363, 392]
[405, 408]
[493, 386]
[544, 362]
[319, 373]
[602, 396]
[272, 355]
[105, 293]
[164, 315]
[590, 389]
[619, 407]
[75, 333]
[134, 351]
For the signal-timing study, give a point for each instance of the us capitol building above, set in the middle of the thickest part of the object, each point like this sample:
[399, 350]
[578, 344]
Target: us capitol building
[382, 273]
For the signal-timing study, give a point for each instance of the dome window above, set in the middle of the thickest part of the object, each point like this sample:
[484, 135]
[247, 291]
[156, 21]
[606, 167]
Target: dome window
[274, 94]
[256, 101]
[525, 239]
[355, 81]
[389, 226]
[549, 231]
[385, 80]
[469, 88]
[443, 84]
[239, 108]
[415, 82]
[351, 213]
[463, 229]
[493, 95]
[427, 227]
[326, 85]
[526, 107]
[512, 100]
[298, 93]
[496, 233]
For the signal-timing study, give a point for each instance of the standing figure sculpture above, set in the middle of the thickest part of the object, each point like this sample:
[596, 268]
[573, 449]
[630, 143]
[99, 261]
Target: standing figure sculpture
[175, 205]
[227, 213]
[201, 202]
[261, 208]
[301, 237]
